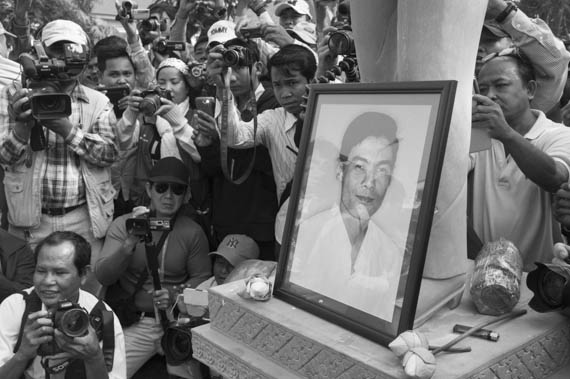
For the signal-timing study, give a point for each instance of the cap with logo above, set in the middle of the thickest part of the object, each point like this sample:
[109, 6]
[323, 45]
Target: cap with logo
[221, 32]
[236, 248]
[299, 6]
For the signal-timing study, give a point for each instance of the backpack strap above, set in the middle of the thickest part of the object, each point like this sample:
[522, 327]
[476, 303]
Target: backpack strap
[105, 331]
[33, 304]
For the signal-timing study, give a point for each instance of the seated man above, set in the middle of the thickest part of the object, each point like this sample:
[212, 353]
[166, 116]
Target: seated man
[183, 259]
[38, 348]
[529, 160]
[16, 264]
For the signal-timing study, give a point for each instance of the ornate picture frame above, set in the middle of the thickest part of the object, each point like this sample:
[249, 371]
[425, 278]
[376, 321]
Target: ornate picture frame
[362, 203]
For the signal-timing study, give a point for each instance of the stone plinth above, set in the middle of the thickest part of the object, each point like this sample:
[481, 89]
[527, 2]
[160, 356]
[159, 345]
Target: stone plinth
[273, 339]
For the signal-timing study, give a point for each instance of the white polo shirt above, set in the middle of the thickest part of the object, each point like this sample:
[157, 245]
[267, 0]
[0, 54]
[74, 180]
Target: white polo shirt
[509, 205]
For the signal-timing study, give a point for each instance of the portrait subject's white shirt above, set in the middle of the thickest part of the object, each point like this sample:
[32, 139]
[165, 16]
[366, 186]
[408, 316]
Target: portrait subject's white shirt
[322, 263]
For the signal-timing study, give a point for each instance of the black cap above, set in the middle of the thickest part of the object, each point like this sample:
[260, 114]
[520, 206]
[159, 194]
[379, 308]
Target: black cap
[169, 170]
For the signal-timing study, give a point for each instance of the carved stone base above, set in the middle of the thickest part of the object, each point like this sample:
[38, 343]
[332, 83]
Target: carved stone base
[248, 339]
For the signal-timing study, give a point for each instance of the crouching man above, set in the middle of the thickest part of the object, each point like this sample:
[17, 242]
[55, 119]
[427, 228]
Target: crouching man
[56, 330]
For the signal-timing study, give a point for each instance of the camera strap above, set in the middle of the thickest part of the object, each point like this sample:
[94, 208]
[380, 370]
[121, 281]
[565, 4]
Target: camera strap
[152, 252]
[228, 174]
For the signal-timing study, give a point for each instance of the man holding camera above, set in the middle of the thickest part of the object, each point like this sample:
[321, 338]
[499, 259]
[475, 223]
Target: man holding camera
[57, 148]
[182, 258]
[35, 339]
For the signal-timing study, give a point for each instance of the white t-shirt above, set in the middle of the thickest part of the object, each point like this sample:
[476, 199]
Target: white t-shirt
[11, 312]
[507, 204]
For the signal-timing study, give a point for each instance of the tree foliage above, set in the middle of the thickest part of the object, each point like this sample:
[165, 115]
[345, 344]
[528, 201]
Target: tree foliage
[44, 11]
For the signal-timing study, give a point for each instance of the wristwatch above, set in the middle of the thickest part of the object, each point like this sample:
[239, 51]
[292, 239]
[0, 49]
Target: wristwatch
[511, 7]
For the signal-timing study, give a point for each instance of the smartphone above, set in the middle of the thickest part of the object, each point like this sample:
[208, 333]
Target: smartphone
[195, 297]
[476, 86]
[206, 104]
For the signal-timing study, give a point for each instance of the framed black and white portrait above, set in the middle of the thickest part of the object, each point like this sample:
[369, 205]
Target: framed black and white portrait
[362, 203]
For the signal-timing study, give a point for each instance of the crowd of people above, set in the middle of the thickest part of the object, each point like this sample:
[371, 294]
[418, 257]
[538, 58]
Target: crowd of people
[137, 167]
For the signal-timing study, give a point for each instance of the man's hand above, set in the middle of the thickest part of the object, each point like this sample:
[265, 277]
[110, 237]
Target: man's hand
[486, 114]
[38, 330]
[60, 126]
[276, 34]
[206, 124]
[133, 101]
[215, 66]
[85, 348]
[561, 254]
[561, 205]
[19, 106]
[161, 299]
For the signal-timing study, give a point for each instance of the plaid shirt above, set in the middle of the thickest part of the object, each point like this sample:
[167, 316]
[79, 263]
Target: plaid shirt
[62, 183]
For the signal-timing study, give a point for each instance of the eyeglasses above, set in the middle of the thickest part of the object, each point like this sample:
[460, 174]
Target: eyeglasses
[176, 188]
[508, 52]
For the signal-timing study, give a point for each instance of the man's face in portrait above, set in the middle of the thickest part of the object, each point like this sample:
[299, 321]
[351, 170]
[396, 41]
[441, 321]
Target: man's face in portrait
[56, 277]
[366, 176]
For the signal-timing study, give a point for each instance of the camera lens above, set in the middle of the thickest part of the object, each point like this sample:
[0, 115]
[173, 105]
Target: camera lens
[74, 322]
[150, 104]
[231, 57]
[342, 43]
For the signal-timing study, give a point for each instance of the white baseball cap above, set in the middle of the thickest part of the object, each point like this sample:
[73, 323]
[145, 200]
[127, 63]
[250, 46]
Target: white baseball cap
[221, 32]
[63, 30]
[299, 6]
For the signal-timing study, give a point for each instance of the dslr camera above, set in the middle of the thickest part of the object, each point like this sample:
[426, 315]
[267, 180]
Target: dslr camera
[43, 75]
[143, 226]
[341, 42]
[116, 93]
[151, 100]
[70, 319]
[129, 9]
[237, 56]
[163, 46]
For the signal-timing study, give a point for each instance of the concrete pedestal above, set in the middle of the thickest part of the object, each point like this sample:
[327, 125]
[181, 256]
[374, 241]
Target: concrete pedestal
[249, 340]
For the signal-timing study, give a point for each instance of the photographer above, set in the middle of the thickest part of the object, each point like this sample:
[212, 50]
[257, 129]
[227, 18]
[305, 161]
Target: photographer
[32, 340]
[60, 174]
[183, 260]
[250, 207]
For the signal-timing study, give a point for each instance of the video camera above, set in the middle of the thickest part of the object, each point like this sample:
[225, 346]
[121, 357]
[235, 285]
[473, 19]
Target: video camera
[550, 284]
[129, 10]
[143, 226]
[163, 46]
[151, 100]
[70, 319]
[116, 93]
[43, 75]
[177, 340]
[237, 56]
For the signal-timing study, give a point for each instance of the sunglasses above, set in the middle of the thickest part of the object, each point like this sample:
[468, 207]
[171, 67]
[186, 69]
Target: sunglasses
[176, 188]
